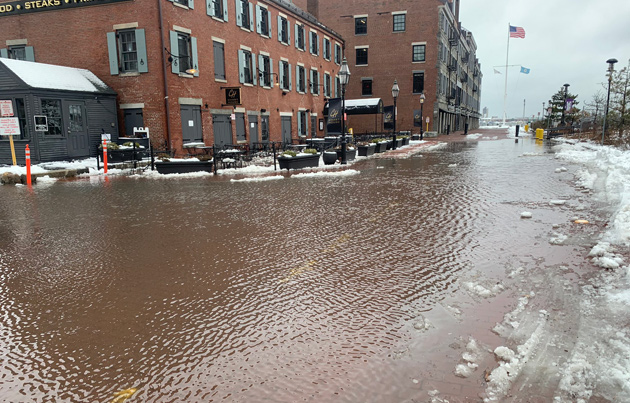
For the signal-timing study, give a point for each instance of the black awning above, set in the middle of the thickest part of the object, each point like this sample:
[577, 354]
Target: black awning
[367, 106]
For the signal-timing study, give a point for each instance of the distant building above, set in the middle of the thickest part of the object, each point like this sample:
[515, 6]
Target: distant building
[419, 43]
[485, 112]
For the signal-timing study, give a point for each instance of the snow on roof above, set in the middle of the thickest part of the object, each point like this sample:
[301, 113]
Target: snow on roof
[361, 102]
[53, 77]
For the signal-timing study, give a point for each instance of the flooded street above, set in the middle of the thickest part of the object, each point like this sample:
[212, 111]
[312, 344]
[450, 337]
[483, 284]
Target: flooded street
[358, 288]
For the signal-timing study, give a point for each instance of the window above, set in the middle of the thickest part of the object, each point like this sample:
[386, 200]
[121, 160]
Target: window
[327, 85]
[360, 26]
[285, 75]
[418, 83]
[263, 22]
[182, 2]
[326, 48]
[52, 109]
[127, 51]
[337, 87]
[337, 53]
[299, 37]
[400, 22]
[313, 125]
[265, 70]
[283, 30]
[418, 53]
[366, 86]
[246, 67]
[20, 113]
[244, 10]
[218, 9]
[264, 128]
[219, 60]
[183, 53]
[302, 123]
[301, 79]
[314, 82]
[362, 56]
[314, 43]
[17, 52]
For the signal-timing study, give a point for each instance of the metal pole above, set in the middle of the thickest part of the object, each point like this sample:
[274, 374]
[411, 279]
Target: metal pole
[421, 117]
[394, 133]
[564, 106]
[606, 113]
[344, 156]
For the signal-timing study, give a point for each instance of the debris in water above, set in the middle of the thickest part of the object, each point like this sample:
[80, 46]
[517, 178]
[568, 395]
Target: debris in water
[526, 214]
[120, 397]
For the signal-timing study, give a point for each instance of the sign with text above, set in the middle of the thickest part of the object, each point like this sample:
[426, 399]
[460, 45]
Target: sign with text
[6, 108]
[233, 96]
[30, 6]
[334, 116]
[9, 127]
[388, 117]
[41, 123]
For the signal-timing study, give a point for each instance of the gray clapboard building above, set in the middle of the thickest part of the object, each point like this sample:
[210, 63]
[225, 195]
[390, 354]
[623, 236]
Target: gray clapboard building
[78, 107]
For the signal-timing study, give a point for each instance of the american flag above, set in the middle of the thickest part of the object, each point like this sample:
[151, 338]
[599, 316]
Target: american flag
[517, 32]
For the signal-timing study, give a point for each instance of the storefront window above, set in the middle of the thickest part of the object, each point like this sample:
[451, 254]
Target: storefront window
[52, 109]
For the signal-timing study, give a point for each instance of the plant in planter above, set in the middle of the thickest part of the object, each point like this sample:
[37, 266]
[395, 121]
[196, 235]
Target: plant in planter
[309, 158]
[366, 149]
[330, 156]
[200, 164]
[380, 145]
[351, 152]
[128, 146]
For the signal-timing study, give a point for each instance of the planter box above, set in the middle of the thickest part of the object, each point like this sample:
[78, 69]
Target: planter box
[114, 156]
[183, 167]
[366, 151]
[399, 143]
[330, 157]
[405, 141]
[299, 162]
[350, 154]
[381, 147]
[415, 137]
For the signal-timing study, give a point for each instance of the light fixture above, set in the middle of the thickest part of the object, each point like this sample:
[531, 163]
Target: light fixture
[395, 92]
[422, 97]
[611, 70]
[344, 77]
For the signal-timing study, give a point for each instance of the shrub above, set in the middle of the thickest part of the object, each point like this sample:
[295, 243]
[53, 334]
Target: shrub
[310, 151]
[288, 153]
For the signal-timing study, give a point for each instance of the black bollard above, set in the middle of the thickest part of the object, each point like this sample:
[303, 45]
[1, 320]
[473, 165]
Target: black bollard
[517, 128]
[448, 129]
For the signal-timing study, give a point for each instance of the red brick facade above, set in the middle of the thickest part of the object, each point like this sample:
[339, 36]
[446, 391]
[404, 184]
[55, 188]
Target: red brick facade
[77, 37]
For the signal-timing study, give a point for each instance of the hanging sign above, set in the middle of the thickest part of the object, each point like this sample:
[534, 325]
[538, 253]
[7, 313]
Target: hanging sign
[334, 116]
[9, 127]
[6, 108]
[233, 96]
[33, 6]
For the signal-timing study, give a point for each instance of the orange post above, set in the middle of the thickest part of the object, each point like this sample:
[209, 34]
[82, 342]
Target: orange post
[105, 156]
[27, 154]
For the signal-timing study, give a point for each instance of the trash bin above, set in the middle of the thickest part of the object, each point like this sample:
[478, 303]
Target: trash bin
[540, 134]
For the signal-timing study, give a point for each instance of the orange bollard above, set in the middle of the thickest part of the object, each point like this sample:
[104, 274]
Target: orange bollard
[27, 154]
[105, 156]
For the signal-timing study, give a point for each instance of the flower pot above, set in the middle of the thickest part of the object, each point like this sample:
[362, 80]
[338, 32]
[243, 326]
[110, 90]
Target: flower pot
[366, 151]
[330, 157]
[405, 141]
[299, 161]
[351, 154]
[399, 143]
[183, 167]
[381, 147]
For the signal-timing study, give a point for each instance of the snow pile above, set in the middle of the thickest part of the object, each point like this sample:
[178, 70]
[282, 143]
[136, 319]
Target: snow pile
[422, 324]
[470, 359]
[585, 179]
[481, 291]
[561, 169]
[259, 179]
[324, 174]
[604, 256]
[510, 318]
[473, 136]
[452, 165]
[511, 362]
[526, 214]
[557, 239]
[557, 202]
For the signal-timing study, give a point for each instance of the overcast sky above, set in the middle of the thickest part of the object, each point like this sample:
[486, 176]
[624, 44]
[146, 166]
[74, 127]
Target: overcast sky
[566, 41]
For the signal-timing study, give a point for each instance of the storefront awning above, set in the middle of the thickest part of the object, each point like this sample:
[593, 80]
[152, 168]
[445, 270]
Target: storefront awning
[367, 106]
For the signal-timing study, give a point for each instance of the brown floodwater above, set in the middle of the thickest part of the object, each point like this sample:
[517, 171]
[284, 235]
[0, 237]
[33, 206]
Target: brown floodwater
[301, 289]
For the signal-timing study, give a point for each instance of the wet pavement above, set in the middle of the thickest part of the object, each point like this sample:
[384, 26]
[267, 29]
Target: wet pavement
[342, 288]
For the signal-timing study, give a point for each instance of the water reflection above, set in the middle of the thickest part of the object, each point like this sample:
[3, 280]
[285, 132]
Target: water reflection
[204, 289]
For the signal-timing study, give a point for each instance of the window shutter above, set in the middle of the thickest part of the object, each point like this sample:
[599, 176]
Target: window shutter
[258, 18]
[254, 71]
[174, 52]
[141, 46]
[241, 66]
[195, 60]
[5, 54]
[191, 4]
[239, 12]
[310, 81]
[316, 44]
[288, 32]
[219, 63]
[261, 63]
[280, 73]
[225, 10]
[30, 53]
[279, 28]
[299, 121]
[251, 17]
[306, 123]
[290, 78]
[209, 8]
[111, 48]
[271, 71]
[268, 22]
[318, 82]
[298, 88]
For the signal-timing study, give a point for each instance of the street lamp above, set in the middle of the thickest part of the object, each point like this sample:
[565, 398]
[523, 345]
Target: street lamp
[549, 110]
[422, 97]
[395, 92]
[611, 70]
[344, 77]
[564, 106]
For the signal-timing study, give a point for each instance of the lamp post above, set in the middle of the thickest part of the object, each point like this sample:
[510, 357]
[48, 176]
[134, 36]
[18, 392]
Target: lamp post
[611, 70]
[395, 92]
[422, 97]
[344, 77]
[549, 110]
[564, 106]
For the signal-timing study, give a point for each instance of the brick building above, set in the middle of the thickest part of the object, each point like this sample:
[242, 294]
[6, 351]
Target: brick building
[224, 71]
[419, 43]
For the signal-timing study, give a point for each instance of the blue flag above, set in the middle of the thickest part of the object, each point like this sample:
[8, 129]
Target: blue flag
[524, 70]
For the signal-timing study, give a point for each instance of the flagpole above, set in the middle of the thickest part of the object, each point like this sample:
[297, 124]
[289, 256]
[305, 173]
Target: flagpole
[507, 54]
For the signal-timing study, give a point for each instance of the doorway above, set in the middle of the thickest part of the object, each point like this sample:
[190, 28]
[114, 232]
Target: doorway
[76, 122]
